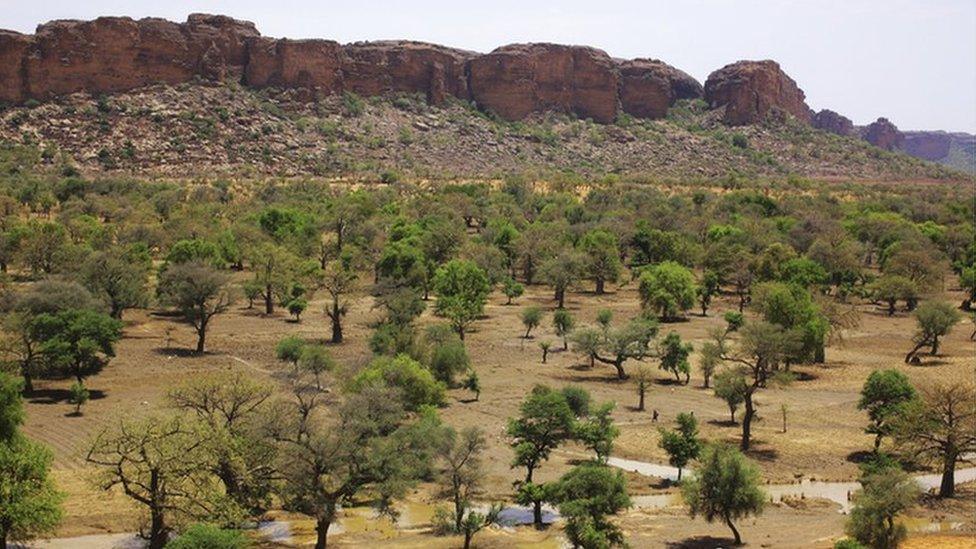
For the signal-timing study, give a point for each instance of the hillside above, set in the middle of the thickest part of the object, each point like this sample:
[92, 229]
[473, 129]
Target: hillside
[217, 130]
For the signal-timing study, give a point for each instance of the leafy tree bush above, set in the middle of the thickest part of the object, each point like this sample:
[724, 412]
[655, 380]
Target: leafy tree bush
[531, 318]
[674, 356]
[682, 444]
[935, 319]
[725, 487]
[462, 291]
[885, 495]
[884, 396]
[667, 289]
[418, 385]
[586, 496]
[208, 536]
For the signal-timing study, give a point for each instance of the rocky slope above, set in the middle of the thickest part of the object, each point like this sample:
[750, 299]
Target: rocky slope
[227, 130]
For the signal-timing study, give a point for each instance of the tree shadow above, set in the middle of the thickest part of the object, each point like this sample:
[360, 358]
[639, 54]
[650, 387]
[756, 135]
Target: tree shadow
[669, 382]
[166, 313]
[762, 454]
[860, 456]
[59, 396]
[803, 376]
[701, 542]
[723, 423]
[181, 352]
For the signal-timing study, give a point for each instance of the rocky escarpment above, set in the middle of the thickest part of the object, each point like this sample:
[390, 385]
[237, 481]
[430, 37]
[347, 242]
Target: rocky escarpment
[833, 122]
[883, 134]
[751, 91]
[113, 54]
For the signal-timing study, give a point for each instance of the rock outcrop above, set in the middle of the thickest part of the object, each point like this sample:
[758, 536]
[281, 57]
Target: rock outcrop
[833, 122]
[883, 134]
[515, 80]
[13, 54]
[649, 87]
[751, 91]
[312, 65]
[374, 68]
[928, 145]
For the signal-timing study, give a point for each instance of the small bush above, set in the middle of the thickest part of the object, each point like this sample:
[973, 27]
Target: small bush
[740, 141]
[206, 536]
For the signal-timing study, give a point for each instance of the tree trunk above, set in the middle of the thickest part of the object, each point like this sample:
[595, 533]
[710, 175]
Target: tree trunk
[28, 381]
[322, 533]
[891, 307]
[157, 531]
[599, 286]
[915, 349]
[537, 513]
[935, 346]
[621, 374]
[640, 404]
[735, 533]
[679, 474]
[731, 409]
[947, 488]
[201, 338]
[747, 423]
[268, 301]
[560, 297]
[336, 317]
[467, 539]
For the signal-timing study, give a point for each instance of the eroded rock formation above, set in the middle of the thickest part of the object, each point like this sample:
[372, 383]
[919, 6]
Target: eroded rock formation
[751, 91]
[649, 87]
[883, 134]
[833, 122]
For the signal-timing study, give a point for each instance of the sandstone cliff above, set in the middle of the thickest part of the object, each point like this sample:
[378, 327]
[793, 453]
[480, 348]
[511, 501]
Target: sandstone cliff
[751, 91]
[114, 54]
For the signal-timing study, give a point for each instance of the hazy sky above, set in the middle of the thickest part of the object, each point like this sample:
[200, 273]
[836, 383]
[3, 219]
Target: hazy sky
[911, 61]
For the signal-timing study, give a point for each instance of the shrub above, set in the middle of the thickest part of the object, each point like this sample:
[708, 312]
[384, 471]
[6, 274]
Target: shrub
[206, 536]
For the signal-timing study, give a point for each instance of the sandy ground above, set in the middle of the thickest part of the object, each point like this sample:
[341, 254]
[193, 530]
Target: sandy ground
[824, 428]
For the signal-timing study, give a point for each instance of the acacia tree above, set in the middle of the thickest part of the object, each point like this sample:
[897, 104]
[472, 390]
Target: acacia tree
[560, 273]
[642, 378]
[461, 475]
[231, 409]
[462, 291]
[885, 495]
[667, 289]
[366, 447]
[545, 420]
[275, 270]
[531, 317]
[120, 278]
[160, 463]
[884, 395]
[78, 342]
[725, 487]
[761, 348]
[629, 342]
[682, 444]
[674, 356]
[339, 281]
[601, 257]
[597, 432]
[199, 292]
[29, 503]
[890, 289]
[935, 319]
[731, 386]
[939, 427]
[586, 496]
[563, 323]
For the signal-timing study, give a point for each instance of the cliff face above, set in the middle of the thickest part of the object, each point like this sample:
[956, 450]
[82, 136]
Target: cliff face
[833, 122]
[750, 91]
[114, 54]
[883, 134]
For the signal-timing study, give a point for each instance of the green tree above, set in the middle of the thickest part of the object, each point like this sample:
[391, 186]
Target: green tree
[339, 281]
[29, 503]
[473, 384]
[563, 323]
[725, 487]
[674, 356]
[199, 292]
[872, 519]
[682, 444]
[162, 464]
[449, 359]
[731, 386]
[561, 272]
[667, 289]
[120, 278]
[367, 448]
[601, 257]
[461, 473]
[512, 289]
[935, 319]
[232, 411]
[891, 289]
[597, 431]
[586, 496]
[11, 406]
[275, 271]
[316, 360]
[939, 428]
[289, 349]
[545, 420]
[708, 289]
[418, 386]
[642, 378]
[884, 395]
[77, 342]
[631, 341]
[531, 318]
[462, 291]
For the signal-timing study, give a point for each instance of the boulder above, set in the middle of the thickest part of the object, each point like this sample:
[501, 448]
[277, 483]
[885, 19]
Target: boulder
[833, 122]
[374, 68]
[13, 53]
[649, 87]
[516, 80]
[883, 134]
[752, 91]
